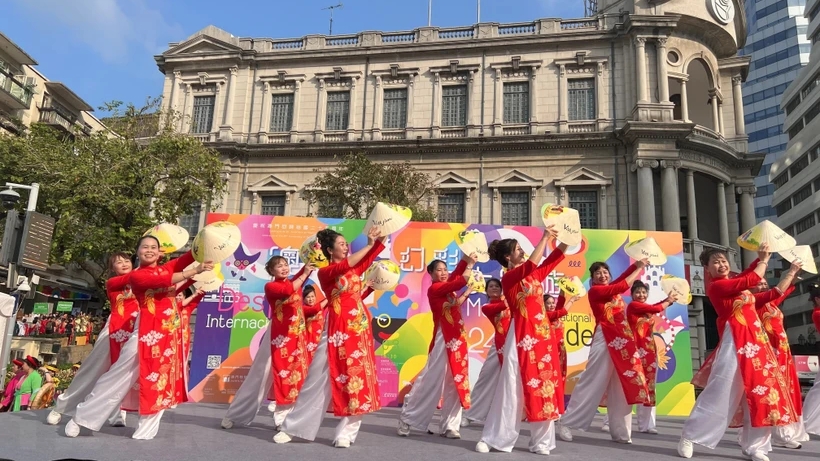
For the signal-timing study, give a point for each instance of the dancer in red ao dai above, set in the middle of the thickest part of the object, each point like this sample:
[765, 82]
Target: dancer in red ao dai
[446, 366]
[811, 406]
[107, 350]
[314, 319]
[745, 370]
[531, 372]
[641, 317]
[613, 368]
[343, 368]
[280, 366]
[556, 311]
[481, 397]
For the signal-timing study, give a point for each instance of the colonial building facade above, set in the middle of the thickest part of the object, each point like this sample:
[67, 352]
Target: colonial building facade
[634, 117]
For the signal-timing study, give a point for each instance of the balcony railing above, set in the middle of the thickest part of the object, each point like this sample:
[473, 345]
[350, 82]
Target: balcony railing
[20, 93]
[53, 117]
[693, 247]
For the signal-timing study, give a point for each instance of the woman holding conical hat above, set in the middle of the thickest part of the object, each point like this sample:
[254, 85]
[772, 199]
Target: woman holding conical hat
[811, 406]
[344, 366]
[108, 348]
[315, 316]
[745, 369]
[481, 396]
[446, 365]
[531, 367]
[613, 368]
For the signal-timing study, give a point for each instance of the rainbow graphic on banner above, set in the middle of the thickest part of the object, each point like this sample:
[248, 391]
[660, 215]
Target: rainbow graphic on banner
[230, 322]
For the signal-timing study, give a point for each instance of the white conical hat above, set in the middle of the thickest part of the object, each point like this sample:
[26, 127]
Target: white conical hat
[208, 280]
[572, 286]
[670, 283]
[766, 232]
[6, 305]
[390, 218]
[477, 282]
[473, 241]
[384, 274]
[311, 253]
[171, 237]
[803, 254]
[646, 248]
[565, 220]
[216, 242]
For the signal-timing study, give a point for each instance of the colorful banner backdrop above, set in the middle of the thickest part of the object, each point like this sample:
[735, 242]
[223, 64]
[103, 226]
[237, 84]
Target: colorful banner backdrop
[230, 323]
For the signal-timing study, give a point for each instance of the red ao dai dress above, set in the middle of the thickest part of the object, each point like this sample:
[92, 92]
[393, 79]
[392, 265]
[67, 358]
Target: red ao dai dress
[557, 325]
[811, 406]
[482, 394]
[641, 317]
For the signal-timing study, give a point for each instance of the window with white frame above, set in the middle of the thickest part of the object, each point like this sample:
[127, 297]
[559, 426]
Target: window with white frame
[281, 113]
[454, 105]
[586, 202]
[203, 116]
[515, 208]
[451, 207]
[338, 110]
[395, 108]
[516, 102]
[273, 205]
[581, 97]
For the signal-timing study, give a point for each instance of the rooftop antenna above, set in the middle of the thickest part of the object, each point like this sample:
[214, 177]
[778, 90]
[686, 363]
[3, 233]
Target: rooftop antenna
[590, 8]
[429, 13]
[331, 8]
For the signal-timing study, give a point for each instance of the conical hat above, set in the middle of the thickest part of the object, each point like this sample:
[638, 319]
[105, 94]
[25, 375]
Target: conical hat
[171, 237]
[803, 254]
[208, 280]
[311, 253]
[670, 283]
[473, 241]
[565, 220]
[646, 248]
[384, 274]
[572, 286]
[6, 305]
[477, 282]
[766, 232]
[216, 242]
[390, 218]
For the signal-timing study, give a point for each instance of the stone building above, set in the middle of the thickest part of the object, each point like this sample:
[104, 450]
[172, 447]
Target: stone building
[634, 117]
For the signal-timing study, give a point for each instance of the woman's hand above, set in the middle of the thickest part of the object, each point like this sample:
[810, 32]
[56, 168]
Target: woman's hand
[309, 268]
[550, 232]
[794, 269]
[206, 266]
[471, 259]
[373, 234]
[672, 298]
[763, 253]
[642, 263]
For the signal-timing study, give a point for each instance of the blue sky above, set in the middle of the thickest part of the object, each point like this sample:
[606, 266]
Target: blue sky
[103, 49]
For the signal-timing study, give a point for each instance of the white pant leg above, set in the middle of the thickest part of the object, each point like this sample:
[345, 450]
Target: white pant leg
[117, 418]
[606, 420]
[148, 426]
[281, 413]
[348, 428]
[542, 436]
[718, 402]
[646, 418]
[111, 388]
[451, 404]
[754, 439]
[255, 388]
[800, 433]
[92, 368]
[811, 408]
[618, 410]
[420, 404]
[592, 384]
[481, 396]
[307, 414]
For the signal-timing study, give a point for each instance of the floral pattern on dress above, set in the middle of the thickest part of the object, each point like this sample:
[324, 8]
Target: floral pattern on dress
[289, 355]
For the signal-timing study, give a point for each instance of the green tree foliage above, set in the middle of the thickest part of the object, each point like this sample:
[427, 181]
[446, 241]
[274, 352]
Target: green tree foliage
[107, 189]
[353, 187]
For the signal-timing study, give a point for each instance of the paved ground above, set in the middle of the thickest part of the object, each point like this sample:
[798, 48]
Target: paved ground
[192, 432]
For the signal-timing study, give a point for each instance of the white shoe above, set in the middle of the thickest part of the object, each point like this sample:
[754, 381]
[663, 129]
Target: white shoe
[119, 422]
[685, 448]
[282, 437]
[756, 456]
[793, 444]
[563, 433]
[650, 431]
[404, 429]
[342, 443]
[540, 451]
[53, 418]
[605, 428]
[625, 442]
[482, 447]
[72, 429]
[272, 407]
[451, 434]
[465, 422]
[227, 423]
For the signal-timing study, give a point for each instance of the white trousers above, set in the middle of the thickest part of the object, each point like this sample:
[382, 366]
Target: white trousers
[255, 388]
[435, 381]
[503, 423]
[646, 418]
[718, 402]
[811, 408]
[112, 387]
[307, 414]
[148, 426]
[794, 432]
[481, 397]
[598, 378]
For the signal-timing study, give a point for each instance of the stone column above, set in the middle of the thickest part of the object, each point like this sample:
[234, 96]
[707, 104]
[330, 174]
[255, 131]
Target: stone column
[171, 105]
[187, 108]
[720, 119]
[436, 131]
[411, 90]
[600, 84]
[563, 103]
[351, 118]
[691, 205]
[377, 108]
[498, 110]
[473, 110]
[747, 217]
[604, 222]
[264, 119]
[533, 99]
[663, 79]
[697, 305]
[640, 68]
[297, 106]
[723, 218]
[321, 109]
[669, 195]
[226, 116]
[715, 111]
[646, 194]
[684, 100]
[737, 98]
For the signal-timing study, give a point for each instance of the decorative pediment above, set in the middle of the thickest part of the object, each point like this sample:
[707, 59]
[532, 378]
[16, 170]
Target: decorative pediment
[583, 177]
[271, 184]
[453, 181]
[202, 44]
[515, 179]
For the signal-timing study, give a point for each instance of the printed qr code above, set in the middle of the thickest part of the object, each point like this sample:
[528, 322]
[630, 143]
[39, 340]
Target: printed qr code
[214, 361]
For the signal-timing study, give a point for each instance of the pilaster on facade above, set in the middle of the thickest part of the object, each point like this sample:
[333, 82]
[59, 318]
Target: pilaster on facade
[226, 129]
[278, 84]
[645, 109]
[336, 81]
[582, 66]
[455, 74]
[395, 77]
[200, 84]
[513, 71]
[646, 192]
